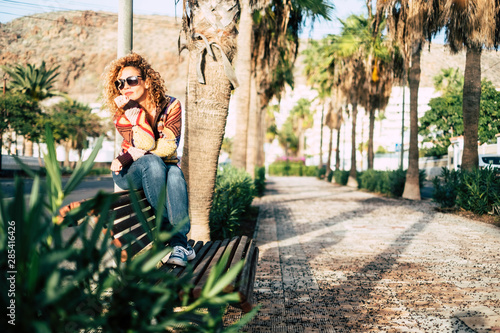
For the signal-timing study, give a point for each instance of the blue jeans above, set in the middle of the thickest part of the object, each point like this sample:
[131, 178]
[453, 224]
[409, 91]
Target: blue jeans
[151, 174]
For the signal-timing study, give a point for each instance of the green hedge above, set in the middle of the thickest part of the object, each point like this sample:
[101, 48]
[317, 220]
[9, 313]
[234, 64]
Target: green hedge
[386, 182]
[260, 181]
[233, 195]
[292, 168]
[341, 177]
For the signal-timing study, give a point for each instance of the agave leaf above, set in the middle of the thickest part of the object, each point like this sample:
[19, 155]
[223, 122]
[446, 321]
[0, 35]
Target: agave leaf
[82, 169]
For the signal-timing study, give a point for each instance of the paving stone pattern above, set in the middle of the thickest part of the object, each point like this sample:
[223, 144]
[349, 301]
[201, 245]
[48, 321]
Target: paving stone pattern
[336, 259]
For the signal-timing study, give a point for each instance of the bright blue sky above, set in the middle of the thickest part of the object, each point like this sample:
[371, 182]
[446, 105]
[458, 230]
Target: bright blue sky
[11, 9]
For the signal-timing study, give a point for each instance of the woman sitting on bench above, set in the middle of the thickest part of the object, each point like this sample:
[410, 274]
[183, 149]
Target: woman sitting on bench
[150, 123]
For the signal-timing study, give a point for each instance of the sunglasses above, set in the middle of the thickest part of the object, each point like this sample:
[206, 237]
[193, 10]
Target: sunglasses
[132, 81]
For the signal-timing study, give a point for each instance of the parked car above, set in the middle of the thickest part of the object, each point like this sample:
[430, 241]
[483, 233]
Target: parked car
[492, 161]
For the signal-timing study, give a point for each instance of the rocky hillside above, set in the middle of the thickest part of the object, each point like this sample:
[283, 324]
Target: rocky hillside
[82, 43]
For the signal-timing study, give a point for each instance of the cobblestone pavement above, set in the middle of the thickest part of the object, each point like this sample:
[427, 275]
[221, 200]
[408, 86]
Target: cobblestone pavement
[335, 259]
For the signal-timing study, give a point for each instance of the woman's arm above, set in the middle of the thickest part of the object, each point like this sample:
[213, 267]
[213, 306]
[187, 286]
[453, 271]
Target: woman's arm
[142, 135]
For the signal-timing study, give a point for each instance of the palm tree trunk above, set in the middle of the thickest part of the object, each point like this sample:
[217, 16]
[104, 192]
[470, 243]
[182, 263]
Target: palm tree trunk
[471, 107]
[67, 149]
[353, 173]
[329, 160]
[261, 138]
[28, 150]
[206, 114]
[371, 126]
[252, 127]
[242, 93]
[321, 139]
[337, 151]
[412, 186]
[301, 148]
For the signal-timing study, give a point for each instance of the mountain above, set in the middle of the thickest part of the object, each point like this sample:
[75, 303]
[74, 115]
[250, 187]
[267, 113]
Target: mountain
[82, 43]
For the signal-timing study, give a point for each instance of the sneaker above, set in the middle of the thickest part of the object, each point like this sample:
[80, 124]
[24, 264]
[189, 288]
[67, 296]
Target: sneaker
[180, 256]
[190, 254]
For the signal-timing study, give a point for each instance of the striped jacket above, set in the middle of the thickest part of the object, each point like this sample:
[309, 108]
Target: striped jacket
[161, 139]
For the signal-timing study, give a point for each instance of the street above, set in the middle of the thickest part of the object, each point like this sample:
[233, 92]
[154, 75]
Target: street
[87, 188]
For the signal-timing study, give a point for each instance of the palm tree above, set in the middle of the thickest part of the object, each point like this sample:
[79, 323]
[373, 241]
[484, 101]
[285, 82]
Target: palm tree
[410, 23]
[275, 41]
[209, 31]
[333, 120]
[472, 25]
[364, 37]
[302, 119]
[449, 80]
[243, 67]
[352, 78]
[321, 79]
[35, 82]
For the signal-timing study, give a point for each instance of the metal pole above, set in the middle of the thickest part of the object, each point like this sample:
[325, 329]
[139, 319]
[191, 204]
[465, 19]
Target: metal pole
[125, 27]
[125, 38]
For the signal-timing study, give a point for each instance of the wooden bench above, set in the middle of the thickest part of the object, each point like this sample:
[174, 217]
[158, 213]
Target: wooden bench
[129, 235]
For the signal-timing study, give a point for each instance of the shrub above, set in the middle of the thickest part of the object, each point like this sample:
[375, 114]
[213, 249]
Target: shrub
[234, 193]
[330, 176]
[341, 177]
[445, 188]
[386, 182]
[62, 283]
[292, 168]
[478, 190]
[375, 181]
[321, 172]
[260, 181]
[397, 180]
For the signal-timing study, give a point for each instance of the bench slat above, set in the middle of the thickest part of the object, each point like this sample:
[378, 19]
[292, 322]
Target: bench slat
[129, 209]
[242, 287]
[204, 262]
[204, 277]
[133, 220]
[237, 257]
[124, 198]
[137, 246]
[247, 305]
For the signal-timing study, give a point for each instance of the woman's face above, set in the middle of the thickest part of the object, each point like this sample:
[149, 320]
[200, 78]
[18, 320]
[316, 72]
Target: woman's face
[139, 92]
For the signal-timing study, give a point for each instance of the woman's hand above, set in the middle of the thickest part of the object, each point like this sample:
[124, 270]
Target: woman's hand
[116, 166]
[121, 101]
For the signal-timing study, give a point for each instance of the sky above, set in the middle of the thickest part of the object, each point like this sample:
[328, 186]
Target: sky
[11, 9]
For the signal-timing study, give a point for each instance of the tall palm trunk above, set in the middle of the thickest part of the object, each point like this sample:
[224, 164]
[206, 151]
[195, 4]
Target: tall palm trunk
[252, 126]
[412, 187]
[371, 127]
[242, 93]
[353, 173]
[471, 107]
[261, 139]
[28, 147]
[329, 160]
[337, 151]
[206, 109]
[67, 150]
[321, 139]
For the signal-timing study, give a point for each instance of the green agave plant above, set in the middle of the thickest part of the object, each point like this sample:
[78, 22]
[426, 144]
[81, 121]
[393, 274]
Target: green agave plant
[58, 279]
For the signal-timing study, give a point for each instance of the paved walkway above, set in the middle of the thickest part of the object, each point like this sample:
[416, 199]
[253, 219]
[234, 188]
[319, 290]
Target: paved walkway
[334, 259]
